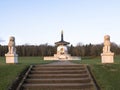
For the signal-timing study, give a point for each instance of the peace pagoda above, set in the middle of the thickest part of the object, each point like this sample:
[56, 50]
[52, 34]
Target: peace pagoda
[62, 51]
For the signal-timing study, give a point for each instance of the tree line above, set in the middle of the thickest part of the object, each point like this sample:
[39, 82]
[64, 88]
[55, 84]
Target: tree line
[49, 50]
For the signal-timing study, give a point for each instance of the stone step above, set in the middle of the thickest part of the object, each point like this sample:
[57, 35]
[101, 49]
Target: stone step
[58, 72]
[58, 77]
[39, 76]
[62, 86]
[58, 80]
[58, 68]
[75, 65]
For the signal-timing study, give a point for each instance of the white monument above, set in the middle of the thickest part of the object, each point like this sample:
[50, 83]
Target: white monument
[11, 56]
[107, 56]
[62, 52]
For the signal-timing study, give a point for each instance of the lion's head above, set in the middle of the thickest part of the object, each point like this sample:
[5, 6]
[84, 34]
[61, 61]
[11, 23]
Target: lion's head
[11, 41]
[107, 37]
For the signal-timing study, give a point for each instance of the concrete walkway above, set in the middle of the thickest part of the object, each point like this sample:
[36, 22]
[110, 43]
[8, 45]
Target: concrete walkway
[62, 63]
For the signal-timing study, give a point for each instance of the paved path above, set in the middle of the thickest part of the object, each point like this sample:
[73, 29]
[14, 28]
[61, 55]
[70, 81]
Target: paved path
[62, 63]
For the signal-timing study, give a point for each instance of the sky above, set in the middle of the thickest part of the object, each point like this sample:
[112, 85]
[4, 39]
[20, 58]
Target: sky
[38, 22]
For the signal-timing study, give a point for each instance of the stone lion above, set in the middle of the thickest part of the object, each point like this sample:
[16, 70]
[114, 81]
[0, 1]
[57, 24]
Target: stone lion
[107, 44]
[11, 45]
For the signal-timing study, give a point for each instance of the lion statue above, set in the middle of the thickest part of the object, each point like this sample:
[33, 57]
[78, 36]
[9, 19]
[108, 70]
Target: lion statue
[11, 45]
[107, 44]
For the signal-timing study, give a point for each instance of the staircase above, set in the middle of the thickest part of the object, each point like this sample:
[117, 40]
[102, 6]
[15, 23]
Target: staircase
[58, 77]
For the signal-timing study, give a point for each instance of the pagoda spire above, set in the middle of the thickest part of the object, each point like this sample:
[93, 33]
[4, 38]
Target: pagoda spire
[62, 35]
[62, 42]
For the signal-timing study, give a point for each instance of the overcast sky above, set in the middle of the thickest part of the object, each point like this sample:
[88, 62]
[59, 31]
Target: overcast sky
[41, 21]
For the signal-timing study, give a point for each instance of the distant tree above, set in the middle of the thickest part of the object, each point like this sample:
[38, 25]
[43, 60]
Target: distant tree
[70, 50]
[115, 48]
[96, 50]
[88, 49]
[80, 49]
[48, 50]
[3, 50]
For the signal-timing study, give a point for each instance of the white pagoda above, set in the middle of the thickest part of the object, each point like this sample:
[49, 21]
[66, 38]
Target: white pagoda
[62, 51]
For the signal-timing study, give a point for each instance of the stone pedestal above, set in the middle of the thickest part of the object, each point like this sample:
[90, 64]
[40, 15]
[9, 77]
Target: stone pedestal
[62, 57]
[11, 58]
[107, 57]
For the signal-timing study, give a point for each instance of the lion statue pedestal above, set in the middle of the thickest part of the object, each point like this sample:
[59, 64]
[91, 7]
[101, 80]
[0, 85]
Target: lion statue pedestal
[11, 56]
[107, 56]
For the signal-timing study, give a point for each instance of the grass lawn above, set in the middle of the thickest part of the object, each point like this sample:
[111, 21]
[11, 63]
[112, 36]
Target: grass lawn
[107, 75]
[8, 72]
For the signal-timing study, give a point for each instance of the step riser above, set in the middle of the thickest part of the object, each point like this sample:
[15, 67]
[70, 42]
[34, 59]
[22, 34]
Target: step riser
[83, 87]
[41, 69]
[57, 81]
[67, 76]
[59, 66]
[58, 88]
[64, 72]
[57, 69]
